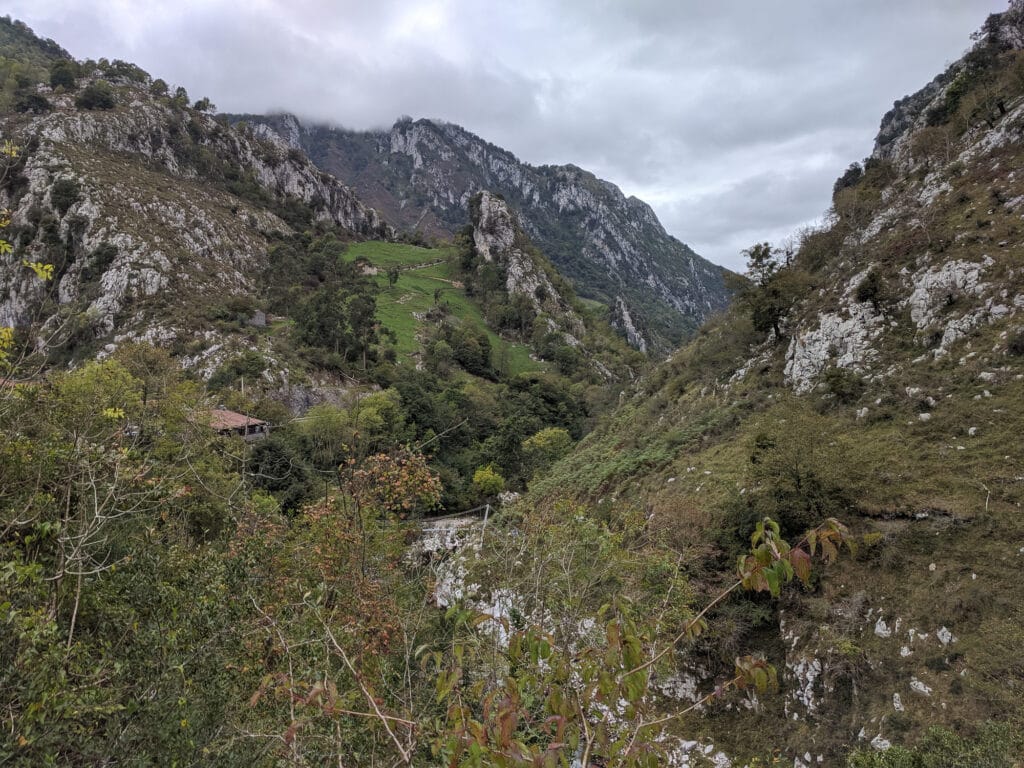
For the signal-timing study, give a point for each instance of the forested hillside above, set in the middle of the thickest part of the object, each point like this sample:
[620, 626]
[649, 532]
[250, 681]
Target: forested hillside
[25, 60]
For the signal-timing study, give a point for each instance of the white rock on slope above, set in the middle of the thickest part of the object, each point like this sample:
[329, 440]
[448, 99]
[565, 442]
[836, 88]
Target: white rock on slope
[494, 238]
[844, 342]
[934, 287]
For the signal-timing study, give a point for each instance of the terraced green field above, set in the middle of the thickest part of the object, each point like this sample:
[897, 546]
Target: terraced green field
[424, 273]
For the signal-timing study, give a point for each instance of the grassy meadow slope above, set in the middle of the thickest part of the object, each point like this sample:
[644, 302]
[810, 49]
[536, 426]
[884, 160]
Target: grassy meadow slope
[428, 278]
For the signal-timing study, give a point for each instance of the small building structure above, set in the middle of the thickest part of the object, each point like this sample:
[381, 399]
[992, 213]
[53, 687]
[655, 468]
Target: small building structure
[228, 423]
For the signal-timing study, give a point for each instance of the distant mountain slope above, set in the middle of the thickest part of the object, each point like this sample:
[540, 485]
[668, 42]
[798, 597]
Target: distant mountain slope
[524, 297]
[165, 224]
[421, 174]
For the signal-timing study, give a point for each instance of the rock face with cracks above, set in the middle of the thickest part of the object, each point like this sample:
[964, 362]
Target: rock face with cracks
[937, 296]
[498, 239]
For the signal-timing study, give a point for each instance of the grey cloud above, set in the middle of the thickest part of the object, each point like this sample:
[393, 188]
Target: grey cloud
[731, 117]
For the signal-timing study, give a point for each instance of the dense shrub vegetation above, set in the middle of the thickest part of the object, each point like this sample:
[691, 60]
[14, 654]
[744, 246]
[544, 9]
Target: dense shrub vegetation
[173, 595]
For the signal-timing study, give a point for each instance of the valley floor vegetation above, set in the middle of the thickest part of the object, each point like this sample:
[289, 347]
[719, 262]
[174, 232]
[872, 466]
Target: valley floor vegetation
[162, 606]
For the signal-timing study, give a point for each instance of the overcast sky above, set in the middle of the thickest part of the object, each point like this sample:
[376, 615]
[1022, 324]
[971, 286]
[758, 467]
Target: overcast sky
[732, 118]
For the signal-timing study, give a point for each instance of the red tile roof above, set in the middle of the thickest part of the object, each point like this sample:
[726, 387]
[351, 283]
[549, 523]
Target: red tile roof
[221, 418]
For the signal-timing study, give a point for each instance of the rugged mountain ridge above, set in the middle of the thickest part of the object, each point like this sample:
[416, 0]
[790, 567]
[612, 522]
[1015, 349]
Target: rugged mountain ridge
[167, 225]
[421, 174]
[968, 118]
[146, 201]
[495, 235]
[524, 295]
[926, 107]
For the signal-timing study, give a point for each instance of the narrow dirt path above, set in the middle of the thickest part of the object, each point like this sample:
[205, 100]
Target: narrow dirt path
[424, 265]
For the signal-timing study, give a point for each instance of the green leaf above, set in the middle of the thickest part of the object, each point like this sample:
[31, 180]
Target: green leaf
[758, 534]
[695, 629]
[760, 679]
[612, 632]
[787, 570]
[634, 686]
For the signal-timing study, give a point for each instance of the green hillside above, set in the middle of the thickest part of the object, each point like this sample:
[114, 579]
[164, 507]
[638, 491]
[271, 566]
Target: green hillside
[428, 277]
[874, 373]
[24, 61]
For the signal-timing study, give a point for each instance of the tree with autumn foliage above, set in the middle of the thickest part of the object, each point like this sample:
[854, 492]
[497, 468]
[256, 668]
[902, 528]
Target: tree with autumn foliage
[393, 484]
[337, 610]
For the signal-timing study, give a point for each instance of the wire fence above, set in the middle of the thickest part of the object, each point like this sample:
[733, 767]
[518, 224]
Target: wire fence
[484, 509]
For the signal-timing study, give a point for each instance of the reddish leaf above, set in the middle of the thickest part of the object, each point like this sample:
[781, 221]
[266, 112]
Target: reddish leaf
[801, 562]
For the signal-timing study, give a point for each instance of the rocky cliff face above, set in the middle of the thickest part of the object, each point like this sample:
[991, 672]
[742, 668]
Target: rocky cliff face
[497, 239]
[525, 297]
[927, 107]
[942, 232]
[421, 175]
[145, 206]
